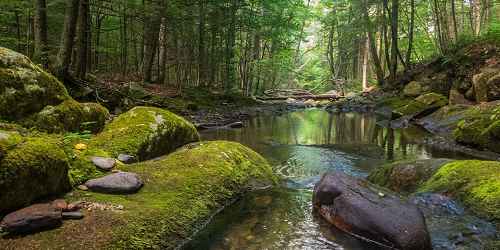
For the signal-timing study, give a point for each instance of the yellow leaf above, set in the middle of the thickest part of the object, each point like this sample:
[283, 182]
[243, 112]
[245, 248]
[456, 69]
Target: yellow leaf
[80, 146]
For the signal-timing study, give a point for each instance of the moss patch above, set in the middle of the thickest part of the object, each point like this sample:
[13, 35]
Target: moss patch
[33, 168]
[480, 127]
[145, 132]
[430, 101]
[70, 116]
[181, 191]
[25, 88]
[476, 183]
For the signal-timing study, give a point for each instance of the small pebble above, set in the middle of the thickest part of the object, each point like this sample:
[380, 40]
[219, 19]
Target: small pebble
[83, 188]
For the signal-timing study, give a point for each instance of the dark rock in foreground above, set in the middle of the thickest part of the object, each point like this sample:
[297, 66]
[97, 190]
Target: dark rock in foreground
[118, 183]
[359, 208]
[32, 219]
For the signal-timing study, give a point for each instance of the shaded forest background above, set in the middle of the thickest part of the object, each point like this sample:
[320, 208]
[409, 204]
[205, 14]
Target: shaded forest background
[243, 46]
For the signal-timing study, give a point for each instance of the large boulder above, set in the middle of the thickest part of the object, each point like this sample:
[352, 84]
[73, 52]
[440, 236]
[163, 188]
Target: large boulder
[405, 176]
[145, 132]
[480, 127]
[25, 88]
[445, 120]
[355, 206]
[473, 182]
[32, 219]
[32, 168]
[70, 116]
[181, 192]
[485, 89]
[422, 105]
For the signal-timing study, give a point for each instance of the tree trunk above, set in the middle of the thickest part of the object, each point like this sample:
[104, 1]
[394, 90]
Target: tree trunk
[394, 40]
[83, 35]
[373, 47]
[70, 20]
[410, 32]
[41, 46]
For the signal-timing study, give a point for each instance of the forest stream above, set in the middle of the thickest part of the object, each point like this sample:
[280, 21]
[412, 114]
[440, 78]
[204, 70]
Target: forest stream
[302, 145]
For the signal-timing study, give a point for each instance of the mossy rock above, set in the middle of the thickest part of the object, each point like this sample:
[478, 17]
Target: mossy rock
[475, 183]
[405, 176]
[428, 102]
[70, 116]
[145, 132]
[25, 88]
[413, 89]
[32, 168]
[480, 127]
[180, 194]
[444, 120]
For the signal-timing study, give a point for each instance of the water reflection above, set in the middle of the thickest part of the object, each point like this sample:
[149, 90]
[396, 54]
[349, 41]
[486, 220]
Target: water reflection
[302, 146]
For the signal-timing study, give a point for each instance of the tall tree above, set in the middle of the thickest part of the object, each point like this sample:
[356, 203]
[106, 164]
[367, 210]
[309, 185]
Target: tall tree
[41, 41]
[68, 42]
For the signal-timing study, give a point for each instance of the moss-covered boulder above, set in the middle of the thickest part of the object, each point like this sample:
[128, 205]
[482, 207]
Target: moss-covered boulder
[145, 132]
[405, 176]
[475, 183]
[445, 120]
[181, 192]
[480, 127]
[31, 168]
[413, 89]
[421, 105]
[487, 84]
[70, 116]
[25, 88]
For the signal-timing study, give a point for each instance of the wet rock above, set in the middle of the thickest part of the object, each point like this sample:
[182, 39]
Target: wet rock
[32, 219]
[355, 206]
[103, 163]
[235, 125]
[445, 120]
[406, 176]
[451, 226]
[118, 183]
[127, 159]
[457, 98]
[72, 215]
[413, 89]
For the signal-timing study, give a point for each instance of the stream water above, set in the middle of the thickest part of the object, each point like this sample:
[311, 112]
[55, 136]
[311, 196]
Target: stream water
[303, 145]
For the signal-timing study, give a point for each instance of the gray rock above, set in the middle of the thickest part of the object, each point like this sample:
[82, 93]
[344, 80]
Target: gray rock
[32, 219]
[72, 215]
[127, 159]
[118, 183]
[103, 163]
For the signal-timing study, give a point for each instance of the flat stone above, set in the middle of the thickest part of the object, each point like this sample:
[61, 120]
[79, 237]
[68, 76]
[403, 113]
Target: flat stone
[103, 163]
[118, 183]
[72, 215]
[83, 187]
[127, 159]
[32, 219]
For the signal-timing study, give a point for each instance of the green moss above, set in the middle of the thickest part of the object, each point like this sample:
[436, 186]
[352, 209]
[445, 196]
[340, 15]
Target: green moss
[181, 192]
[145, 132]
[34, 168]
[25, 88]
[480, 127]
[476, 183]
[394, 102]
[70, 116]
[422, 103]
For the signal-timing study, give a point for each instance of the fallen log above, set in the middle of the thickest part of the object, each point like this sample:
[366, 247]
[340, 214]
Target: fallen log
[300, 97]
